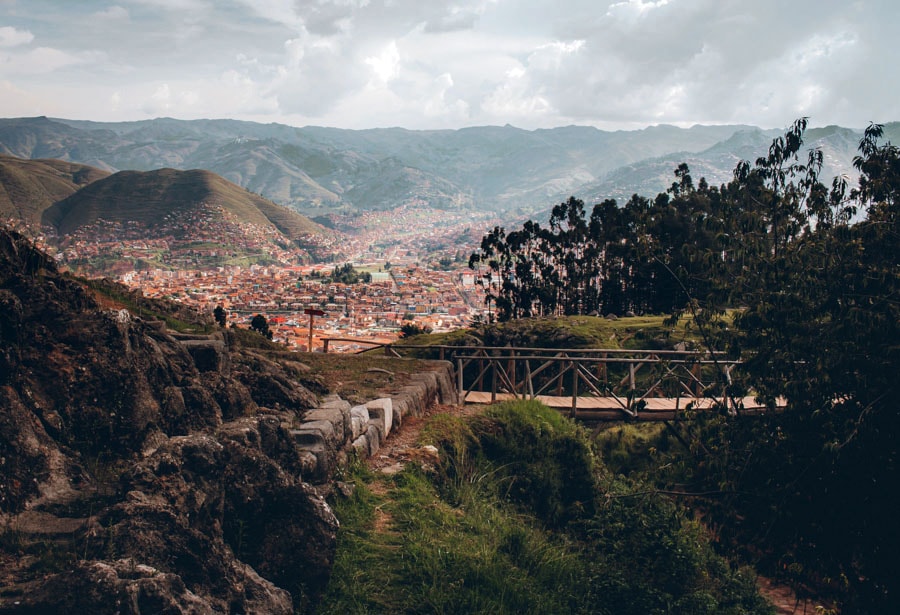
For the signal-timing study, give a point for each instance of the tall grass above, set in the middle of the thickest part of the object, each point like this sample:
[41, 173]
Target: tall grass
[520, 516]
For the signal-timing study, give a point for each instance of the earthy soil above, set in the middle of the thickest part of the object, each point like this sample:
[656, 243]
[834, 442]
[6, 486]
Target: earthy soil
[402, 445]
[786, 601]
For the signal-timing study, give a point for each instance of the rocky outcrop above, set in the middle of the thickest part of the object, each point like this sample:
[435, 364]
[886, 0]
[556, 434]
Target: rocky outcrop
[329, 432]
[145, 471]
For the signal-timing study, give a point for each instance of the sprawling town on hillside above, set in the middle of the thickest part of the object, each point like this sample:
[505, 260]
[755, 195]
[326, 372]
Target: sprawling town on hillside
[410, 267]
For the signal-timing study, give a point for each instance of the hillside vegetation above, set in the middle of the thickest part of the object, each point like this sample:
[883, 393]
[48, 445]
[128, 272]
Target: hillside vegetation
[148, 197]
[29, 187]
[635, 332]
[519, 515]
[798, 280]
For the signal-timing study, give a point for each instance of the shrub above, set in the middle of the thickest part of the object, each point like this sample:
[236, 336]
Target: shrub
[546, 457]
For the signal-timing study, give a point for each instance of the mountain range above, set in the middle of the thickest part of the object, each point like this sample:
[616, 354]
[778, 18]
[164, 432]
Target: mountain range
[319, 171]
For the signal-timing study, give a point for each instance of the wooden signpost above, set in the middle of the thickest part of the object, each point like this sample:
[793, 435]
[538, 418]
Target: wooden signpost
[312, 314]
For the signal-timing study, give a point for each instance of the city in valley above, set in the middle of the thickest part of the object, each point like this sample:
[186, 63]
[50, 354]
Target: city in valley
[408, 266]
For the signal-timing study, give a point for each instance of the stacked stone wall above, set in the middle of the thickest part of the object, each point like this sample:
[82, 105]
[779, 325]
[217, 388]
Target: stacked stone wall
[328, 433]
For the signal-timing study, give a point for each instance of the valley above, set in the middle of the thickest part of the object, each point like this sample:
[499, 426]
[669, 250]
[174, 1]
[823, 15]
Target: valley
[127, 201]
[208, 258]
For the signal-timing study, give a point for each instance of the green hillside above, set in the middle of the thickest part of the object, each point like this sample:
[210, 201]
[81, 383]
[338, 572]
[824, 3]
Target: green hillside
[28, 187]
[148, 197]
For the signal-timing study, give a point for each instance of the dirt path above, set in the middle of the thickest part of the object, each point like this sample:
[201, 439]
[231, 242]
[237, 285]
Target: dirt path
[402, 445]
[786, 601]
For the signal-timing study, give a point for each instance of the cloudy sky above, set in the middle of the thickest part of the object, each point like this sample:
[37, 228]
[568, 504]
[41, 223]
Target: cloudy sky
[449, 64]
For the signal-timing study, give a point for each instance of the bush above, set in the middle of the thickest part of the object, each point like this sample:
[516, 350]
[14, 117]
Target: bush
[409, 329]
[547, 458]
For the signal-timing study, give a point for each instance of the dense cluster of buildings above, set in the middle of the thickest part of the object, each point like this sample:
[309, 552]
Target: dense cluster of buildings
[416, 257]
[368, 312]
[201, 238]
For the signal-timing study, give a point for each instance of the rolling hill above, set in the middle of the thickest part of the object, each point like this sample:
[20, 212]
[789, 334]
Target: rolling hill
[28, 187]
[103, 223]
[148, 198]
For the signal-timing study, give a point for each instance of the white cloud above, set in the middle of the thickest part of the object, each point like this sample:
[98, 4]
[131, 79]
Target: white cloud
[177, 5]
[242, 93]
[161, 99]
[634, 8]
[18, 102]
[552, 56]
[10, 37]
[41, 61]
[386, 65]
[440, 102]
[165, 99]
[517, 98]
[113, 13]
[278, 11]
[434, 63]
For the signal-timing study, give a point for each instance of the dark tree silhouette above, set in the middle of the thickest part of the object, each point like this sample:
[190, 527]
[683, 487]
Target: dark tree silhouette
[410, 329]
[220, 315]
[261, 326]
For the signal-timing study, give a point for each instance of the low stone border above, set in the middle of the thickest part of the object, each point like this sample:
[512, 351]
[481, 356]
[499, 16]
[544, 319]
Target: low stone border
[335, 427]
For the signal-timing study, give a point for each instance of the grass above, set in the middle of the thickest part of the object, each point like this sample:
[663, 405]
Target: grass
[478, 534]
[649, 332]
[144, 308]
[359, 378]
[635, 449]
[478, 555]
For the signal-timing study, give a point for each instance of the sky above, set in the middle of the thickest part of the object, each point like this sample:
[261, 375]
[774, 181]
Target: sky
[428, 64]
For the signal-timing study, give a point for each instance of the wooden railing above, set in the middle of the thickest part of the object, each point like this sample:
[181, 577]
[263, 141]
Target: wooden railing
[441, 352]
[601, 383]
[598, 384]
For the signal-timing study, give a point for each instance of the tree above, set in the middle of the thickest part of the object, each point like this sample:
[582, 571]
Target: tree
[635, 258]
[261, 326]
[347, 274]
[220, 315]
[813, 300]
[820, 325]
[410, 329]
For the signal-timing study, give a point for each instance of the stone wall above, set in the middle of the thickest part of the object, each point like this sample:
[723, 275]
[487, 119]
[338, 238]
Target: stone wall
[328, 433]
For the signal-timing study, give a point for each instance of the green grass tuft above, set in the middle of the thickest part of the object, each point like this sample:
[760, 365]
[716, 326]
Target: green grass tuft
[495, 530]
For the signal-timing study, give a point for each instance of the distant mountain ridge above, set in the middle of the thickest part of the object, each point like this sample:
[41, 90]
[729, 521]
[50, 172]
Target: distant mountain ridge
[318, 171]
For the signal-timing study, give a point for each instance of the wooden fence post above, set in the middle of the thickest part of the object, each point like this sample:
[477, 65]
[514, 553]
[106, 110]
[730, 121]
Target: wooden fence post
[574, 369]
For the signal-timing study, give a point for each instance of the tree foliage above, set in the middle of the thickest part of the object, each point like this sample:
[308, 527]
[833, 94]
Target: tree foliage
[220, 315]
[409, 329]
[616, 260]
[347, 274]
[810, 276]
[259, 324]
[821, 327]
